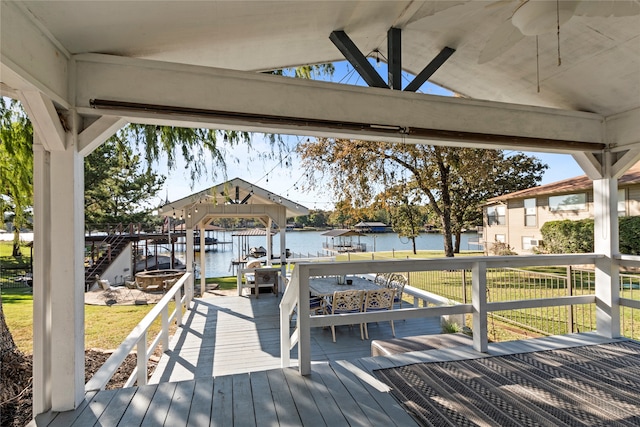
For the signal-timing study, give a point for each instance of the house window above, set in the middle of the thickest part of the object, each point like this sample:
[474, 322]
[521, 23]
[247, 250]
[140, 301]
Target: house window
[501, 238]
[527, 243]
[622, 202]
[530, 212]
[568, 202]
[497, 215]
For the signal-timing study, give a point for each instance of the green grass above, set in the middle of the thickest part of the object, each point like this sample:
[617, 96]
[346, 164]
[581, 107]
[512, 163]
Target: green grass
[6, 248]
[17, 306]
[105, 327]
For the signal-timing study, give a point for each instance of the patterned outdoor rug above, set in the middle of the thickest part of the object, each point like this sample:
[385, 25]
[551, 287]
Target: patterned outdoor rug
[582, 386]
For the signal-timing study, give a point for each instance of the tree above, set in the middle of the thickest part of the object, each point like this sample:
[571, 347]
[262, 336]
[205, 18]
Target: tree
[407, 218]
[16, 166]
[452, 180]
[117, 186]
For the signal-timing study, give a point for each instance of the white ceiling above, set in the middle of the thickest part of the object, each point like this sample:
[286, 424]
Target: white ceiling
[600, 69]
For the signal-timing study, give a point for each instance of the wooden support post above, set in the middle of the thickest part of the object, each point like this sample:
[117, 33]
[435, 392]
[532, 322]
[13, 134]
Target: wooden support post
[607, 274]
[304, 329]
[67, 277]
[479, 303]
[42, 279]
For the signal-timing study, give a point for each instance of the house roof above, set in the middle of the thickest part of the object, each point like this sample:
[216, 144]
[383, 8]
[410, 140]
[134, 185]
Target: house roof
[370, 224]
[235, 191]
[341, 232]
[578, 183]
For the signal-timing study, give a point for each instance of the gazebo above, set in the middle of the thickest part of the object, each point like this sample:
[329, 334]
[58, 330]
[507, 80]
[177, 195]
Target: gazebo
[235, 198]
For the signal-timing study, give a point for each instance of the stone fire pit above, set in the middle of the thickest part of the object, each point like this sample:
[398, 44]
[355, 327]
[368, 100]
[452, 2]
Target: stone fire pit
[156, 279]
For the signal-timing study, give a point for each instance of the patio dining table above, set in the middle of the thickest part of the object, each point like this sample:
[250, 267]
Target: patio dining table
[326, 286]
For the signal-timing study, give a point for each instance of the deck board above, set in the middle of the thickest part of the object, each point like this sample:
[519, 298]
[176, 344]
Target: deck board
[180, 404]
[159, 405]
[285, 405]
[113, 412]
[263, 404]
[243, 413]
[345, 403]
[200, 412]
[222, 409]
[307, 409]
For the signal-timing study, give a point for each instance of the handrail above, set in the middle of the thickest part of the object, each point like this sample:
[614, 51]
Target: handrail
[288, 303]
[138, 337]
[479, 306]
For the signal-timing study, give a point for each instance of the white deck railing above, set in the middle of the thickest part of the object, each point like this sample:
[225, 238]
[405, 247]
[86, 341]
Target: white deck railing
[296, 296]
[182, 293]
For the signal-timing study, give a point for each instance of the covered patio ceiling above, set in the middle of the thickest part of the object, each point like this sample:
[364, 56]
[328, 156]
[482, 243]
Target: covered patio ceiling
[156, 59]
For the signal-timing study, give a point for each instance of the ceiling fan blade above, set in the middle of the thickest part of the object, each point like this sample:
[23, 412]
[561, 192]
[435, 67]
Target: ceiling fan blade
[504, 38]
[608, 8]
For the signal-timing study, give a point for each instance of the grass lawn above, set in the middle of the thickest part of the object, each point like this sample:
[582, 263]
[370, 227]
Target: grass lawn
[105, 327]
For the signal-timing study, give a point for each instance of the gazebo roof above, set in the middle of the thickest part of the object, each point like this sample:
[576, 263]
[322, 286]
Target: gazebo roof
[341, 232]
[233, 192]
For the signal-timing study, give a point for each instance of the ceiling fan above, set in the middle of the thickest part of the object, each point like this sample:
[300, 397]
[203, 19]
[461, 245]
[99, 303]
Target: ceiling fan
[537, 17]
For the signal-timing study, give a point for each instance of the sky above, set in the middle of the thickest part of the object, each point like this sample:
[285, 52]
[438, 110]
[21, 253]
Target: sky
[286, 179]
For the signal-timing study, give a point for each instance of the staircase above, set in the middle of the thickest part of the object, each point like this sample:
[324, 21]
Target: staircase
[111, 247]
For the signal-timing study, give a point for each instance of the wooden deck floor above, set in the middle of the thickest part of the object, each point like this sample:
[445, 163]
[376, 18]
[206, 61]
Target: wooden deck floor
[231, 335]
[210, 384]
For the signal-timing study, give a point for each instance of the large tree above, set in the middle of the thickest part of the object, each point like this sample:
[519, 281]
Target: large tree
[117, 188]
[452, 180]
[16, 166]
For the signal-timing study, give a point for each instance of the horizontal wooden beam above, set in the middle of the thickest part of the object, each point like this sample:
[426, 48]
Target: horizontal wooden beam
[226, 99]
[30, 60]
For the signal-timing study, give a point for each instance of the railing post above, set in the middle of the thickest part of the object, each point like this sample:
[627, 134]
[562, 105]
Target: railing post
[142, 360]
[479, 303]
[178, 297]
[570, 307]
[165, 328]
[304, 324]
[464, 286]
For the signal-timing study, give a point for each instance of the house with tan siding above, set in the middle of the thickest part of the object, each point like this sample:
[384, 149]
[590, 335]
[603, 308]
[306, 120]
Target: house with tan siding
[516, 218]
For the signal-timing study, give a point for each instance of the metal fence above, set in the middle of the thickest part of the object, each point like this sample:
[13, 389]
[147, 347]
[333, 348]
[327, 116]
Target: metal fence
[15, 276]
[508, 284]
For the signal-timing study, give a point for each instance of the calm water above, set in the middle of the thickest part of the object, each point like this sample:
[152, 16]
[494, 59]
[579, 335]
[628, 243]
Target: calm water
[310, 242]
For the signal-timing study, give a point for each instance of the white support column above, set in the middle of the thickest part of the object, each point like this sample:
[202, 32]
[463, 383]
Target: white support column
[479, 302]
[203, 270]
[269, 241]
[189, 260]
[41, 278]
[66, 248]
[283, 256]
[606, 239]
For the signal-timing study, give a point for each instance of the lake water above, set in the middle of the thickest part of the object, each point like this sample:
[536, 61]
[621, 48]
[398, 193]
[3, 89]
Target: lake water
[218, 262]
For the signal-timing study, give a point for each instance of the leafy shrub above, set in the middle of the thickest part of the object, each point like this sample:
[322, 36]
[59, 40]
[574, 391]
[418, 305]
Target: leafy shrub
[629, 227]
[501, 248]
[569, 236]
